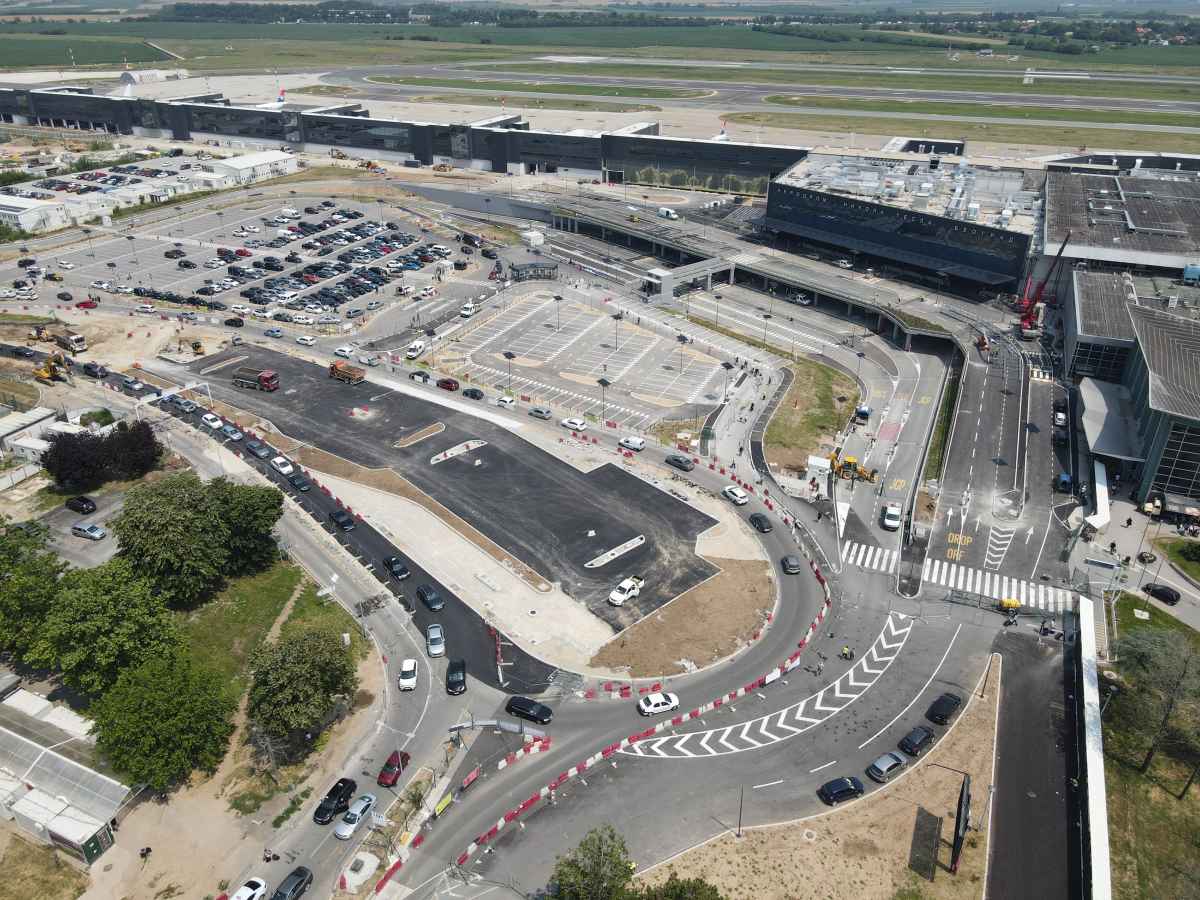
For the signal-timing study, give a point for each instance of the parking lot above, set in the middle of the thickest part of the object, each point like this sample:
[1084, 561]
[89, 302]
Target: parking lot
[560, 349]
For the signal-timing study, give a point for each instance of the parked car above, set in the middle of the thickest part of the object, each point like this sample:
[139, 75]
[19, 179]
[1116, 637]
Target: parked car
[83, 505]
[887, 766]
[473, 394]
[396, 568]
[839, 790]
[1163, 592]
[435, 640]
[212, 421]
[299, 482]
[336, 800]
[407, 679]
[943, 708]
[392, 769]
[298, 881]
[89, 531]
[281, 465]
[359, 810]
[429, 595]
[253, 889]
[574, 423]
[735, 495]
[891, 516]
[456, 676]
[448, 384]
[231, 432]
[683, 463]
[258, 449]
[342, 519]
[524, 708]
[916, 741]
[658, 703]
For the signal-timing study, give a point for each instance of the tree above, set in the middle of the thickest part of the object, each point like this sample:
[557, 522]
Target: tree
[172, 532]
[104, 620]
[249, 513]
[28, 585]
[1191, 551]
[296, 682]
[1164, 666]
[163, 719]
[76, 460]
[132, 450]
[598, 869]
[682, 889]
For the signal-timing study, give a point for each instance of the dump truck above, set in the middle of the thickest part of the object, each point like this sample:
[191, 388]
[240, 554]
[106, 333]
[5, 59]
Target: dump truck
[256, 379]
[67, 340]
[343, 371]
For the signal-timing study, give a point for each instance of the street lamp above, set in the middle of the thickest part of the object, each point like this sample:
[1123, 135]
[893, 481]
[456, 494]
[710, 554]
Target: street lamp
[858, 365]
[557, 314]
[431, 333]
[682, 339]
[727, 366]
[604, 384]
[133, 247]
[510, 356]
[766, 318]
[617, 317]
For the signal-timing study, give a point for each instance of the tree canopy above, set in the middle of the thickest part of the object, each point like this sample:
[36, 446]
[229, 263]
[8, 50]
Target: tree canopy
[599, 868]
[1164, 666]
[162, 719]
[83, 461]
[28, 586]
[104, 620]
[296, 682]
[249, 513]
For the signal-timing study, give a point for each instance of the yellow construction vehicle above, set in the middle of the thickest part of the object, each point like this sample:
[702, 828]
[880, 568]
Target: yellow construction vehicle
[441, 167]
[847, 467]
[52, 369]
[198, 348]
[337, 154]
[40, 333]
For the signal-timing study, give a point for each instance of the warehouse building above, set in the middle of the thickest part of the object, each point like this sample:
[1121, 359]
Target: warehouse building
[31, 215]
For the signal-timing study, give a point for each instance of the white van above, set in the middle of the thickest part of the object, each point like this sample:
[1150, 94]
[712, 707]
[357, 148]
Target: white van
[635, 444]
[415, 349]
[288, 213]
[665, 212]
[468, 309]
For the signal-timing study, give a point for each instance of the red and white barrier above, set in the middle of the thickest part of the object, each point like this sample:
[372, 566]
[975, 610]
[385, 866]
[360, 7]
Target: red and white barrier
[533, 747]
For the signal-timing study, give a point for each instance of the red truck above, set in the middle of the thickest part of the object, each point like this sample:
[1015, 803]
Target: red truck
[256, 379]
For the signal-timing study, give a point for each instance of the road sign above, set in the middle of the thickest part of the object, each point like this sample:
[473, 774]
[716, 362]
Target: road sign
[962, 821]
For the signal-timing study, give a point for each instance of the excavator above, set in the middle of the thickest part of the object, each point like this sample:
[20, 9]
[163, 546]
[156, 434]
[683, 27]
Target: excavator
[40, 333]
[53, 368]
[847, 467]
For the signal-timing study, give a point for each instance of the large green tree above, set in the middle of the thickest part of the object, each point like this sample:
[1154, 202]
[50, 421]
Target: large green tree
[29, 575]
[132, 450]
[163, 719]
[76, 461]
[296, 682]
[1164, 667]
[599, 868]
[681, 889]
[249, 513]
[173, 533]
[103, 621]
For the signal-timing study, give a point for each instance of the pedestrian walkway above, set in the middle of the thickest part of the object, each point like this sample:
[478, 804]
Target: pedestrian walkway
[997, 586]
[866, 556]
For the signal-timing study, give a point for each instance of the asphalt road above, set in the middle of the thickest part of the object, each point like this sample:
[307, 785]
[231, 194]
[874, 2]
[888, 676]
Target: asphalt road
[81, 552]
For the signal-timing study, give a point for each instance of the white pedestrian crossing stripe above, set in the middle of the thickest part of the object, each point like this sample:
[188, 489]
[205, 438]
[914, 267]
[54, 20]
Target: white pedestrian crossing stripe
[996, 586]
[1039, 374]
[866, 556]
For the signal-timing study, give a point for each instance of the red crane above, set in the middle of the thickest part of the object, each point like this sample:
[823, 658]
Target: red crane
[1029, 303]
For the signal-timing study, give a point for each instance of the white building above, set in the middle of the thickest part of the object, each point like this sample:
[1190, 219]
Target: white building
[252, 167]
[147, 76]
[31, 215]
[17, 426]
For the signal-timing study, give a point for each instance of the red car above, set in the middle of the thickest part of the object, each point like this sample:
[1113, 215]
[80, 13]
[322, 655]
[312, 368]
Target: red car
[242, 251]
[447, 384]
[86, 304]
[390, 773]
[311, 279]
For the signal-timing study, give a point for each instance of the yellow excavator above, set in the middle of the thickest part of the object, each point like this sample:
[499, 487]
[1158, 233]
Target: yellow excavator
[40, 333]
[52, 369]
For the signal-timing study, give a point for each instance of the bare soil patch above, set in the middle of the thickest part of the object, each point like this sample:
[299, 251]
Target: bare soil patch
[813, 410]
[740, 597]
[388, 480]
[427, 432]
[895, 843]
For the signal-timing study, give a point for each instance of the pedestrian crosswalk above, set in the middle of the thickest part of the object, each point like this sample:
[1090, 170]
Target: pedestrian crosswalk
[866, 556]
[1036, 373]
[996, 586]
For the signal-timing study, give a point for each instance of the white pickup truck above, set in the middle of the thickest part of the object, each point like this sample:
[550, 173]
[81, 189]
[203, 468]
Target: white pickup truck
[626, 590]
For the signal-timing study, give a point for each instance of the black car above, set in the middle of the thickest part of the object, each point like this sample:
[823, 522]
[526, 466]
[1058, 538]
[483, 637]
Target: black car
[299, 482]
[186, 264]
[396, 568]
[336, 801]
[1163, 592]
[430, 596]
[524, 708]
[235, 322]
[95, 370]
[456, 676]
[489, 253]
[943, 708]
[26, 352]
[840, 790]
[761, 523]
[473, 394]
[791, 565]
[683, 463]
[65, 296]
[84, 505]
[342, 519]
[299, 881]
[915, 742]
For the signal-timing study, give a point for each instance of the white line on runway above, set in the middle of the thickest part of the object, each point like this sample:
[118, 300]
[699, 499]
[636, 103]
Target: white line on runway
[767, 784]
[832, 762]
[924, 687]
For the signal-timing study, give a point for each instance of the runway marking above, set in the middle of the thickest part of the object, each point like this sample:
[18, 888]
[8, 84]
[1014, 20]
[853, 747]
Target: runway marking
[767, 784]
[832, 762]
[826, 703]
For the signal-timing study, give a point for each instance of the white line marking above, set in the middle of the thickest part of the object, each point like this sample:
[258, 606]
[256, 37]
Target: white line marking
[832, 762]
[767, 784]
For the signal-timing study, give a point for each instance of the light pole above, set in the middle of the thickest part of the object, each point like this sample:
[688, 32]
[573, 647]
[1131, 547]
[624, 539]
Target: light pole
[617, 317]
[716, 310]
[682, 339]
[133, 248]
[766, 318]
[510, 356]
[557, 312]
[858, 365]
[604, 384]
[91, 250]
[727, 366]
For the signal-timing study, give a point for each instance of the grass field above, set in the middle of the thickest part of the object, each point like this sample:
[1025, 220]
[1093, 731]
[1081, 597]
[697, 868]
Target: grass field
[594, 90]
[518, 102]
[36, 50]
[255, 55]
[1151, 831]
[31, 870]
[1032, 134]
[1173, 547]
[1186, 120]
[1003, 84]
[815, 408]
[311, 611]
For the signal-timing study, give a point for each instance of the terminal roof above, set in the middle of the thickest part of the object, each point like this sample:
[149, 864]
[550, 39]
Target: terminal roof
[1171, 347]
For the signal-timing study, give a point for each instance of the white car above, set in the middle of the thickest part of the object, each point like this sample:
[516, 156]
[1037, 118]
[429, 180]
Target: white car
[506, 402]
[254, 889]
[240, 310]
[344, 352]
[63, 264]
[629, 587]
[574, 423]
[102, 285]
[303, 319]
[146, 308]
[314, 308]
[636, 444]
[891, 516]
[1060, 419]
[123, 289]
[253, 229]
[306, 340]
[657, 704]
[6, 294]
[212, 421]
[359, 810]
[91, 532]
[407, 679]
[427, 292]
[281, 465]
[735, 495]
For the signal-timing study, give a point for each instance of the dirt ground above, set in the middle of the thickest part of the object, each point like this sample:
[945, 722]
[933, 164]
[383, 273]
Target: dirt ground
[895, 843]
[31, 870]
[389, 480]
[739, 597]
[816, 406]
[216, 843]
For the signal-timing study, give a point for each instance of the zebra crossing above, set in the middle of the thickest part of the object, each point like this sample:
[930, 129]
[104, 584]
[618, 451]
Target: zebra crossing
[1036, 373]
[997, 586]
[866, 556]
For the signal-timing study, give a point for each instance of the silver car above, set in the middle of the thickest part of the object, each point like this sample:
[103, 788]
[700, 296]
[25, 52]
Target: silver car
[359, 810]
[435, 640]
[885, 767]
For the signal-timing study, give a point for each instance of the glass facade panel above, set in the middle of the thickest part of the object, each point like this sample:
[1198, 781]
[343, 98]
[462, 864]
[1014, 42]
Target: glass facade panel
[372, 134]
[1102, 361]
[1179, 466]
[264, 124]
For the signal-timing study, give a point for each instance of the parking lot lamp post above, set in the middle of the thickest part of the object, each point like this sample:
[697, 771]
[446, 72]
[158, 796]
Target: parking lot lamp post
[558, 312]
[431, 334]
[682, 339]
[133, 247]
[727, 365]
[858, 365]
[510, 356]
[617, 317]
[604, 384]
[88, 234]
[766, 318]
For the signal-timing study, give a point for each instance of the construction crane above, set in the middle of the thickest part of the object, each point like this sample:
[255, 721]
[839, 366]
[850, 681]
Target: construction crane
[1033, 304]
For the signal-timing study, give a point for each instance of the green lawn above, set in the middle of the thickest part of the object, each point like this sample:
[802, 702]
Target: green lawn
[1173, 547]
[1152, 834]
[941, 429]
[226, 630]
[1084, 114]
[36, 50]
[499, 100]
[1127, 620]
[594, 90]
[311, 611]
